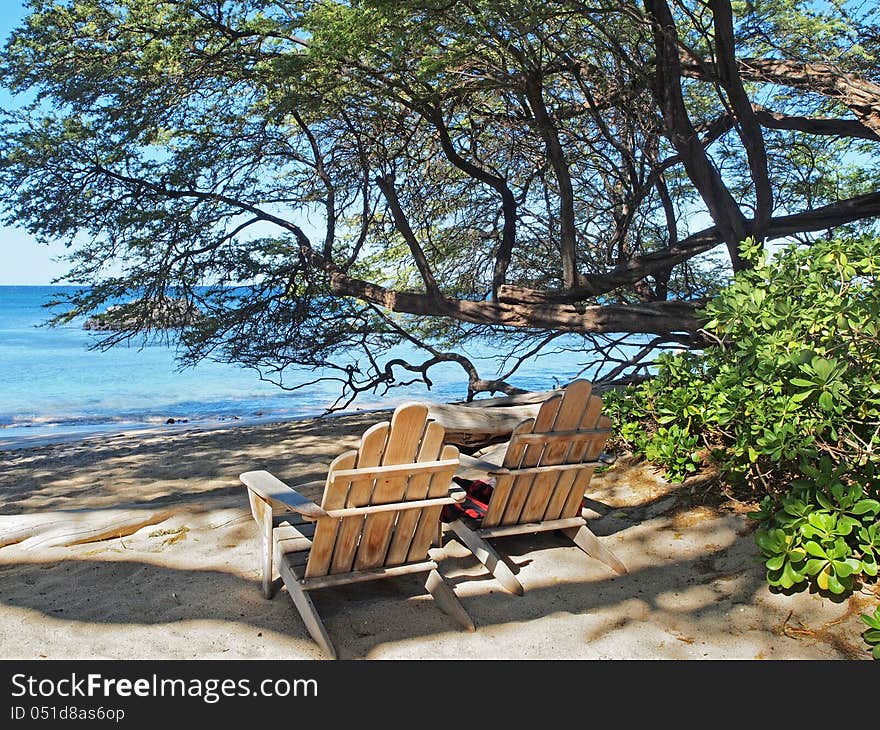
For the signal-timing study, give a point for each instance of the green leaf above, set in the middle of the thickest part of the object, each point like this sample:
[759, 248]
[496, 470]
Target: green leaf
[834, 584]
[845, 525]
[814, 566]
[824, 501]
[866, 506]
[801, 383]
[790, 576]
[847, 567]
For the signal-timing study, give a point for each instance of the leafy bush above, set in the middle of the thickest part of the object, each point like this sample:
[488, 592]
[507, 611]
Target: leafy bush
[824, 530]
[786, 401]
[872, 633]
[790, 374]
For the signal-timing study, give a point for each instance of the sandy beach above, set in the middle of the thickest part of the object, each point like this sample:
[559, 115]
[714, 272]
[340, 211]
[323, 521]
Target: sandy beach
[142, 546]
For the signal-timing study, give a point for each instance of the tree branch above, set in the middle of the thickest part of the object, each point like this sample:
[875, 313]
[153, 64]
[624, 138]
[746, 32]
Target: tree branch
[724, 210]
[860, 96]
[814, 125]
[809, 221]
[386, 185]
[549, 133]
[747, 124]
[655, 318]
[508, 201]
[321, 170]
[176, 194]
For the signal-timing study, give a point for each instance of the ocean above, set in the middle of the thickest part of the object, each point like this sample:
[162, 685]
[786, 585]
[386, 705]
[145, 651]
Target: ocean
[53, 386]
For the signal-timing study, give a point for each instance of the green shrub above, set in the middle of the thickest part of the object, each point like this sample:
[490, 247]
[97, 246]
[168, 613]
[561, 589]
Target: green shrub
[872, 634]
[786, 401]
[824, 530]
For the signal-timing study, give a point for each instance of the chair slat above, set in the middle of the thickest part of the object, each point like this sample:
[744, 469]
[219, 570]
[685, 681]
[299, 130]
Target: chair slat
[571, 436]
[532, 456]
[429, 520]
[405, 529]
[568, 496]
[503, 484]
[359, 491]
[407, 428]
[559, 495]
[601, 426]
[593, 415]
[595, 448]
[574, 502]
[557, 451]
[328, 527]
[425, 533]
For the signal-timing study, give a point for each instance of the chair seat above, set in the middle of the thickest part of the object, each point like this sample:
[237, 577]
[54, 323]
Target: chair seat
[294, 543]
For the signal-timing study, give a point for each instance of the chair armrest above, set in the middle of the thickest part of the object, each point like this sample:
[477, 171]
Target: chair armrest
[278, 493]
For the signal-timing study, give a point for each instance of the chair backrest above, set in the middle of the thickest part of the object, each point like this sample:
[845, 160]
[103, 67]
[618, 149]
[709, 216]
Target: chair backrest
[367, 476]
[568, 430]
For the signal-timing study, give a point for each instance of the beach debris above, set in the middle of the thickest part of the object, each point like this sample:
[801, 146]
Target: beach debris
[172, 535]
[68, 528]
[472, 427]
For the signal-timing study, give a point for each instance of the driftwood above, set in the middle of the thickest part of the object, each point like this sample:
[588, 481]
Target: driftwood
[64, 529]
[477, 424]
[531, 397]
[472, 427]
[521, 399]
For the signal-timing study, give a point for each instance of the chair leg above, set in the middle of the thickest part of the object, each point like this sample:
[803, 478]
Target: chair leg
[267, 567]
[262, 512]
[447, 601]
[590, 544]
[306, 609]
[486, 554]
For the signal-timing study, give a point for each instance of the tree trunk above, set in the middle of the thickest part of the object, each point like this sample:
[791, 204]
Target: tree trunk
[725, 211]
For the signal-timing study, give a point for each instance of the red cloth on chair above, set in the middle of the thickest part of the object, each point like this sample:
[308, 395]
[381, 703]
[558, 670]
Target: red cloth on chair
[479, 492]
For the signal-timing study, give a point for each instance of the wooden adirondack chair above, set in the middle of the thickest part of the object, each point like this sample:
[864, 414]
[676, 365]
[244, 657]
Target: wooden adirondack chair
[378, 517]
[540, 480]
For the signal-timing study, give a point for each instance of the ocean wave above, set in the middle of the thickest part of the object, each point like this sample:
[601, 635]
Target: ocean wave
[147, 419]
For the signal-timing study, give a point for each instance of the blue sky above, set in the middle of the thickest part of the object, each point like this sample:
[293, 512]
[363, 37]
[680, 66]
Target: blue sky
[22, 259]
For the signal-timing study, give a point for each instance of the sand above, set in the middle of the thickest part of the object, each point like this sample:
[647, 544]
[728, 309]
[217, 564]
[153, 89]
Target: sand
[141, 546]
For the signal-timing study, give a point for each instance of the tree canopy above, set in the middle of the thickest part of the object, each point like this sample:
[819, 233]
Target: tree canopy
[325, 180]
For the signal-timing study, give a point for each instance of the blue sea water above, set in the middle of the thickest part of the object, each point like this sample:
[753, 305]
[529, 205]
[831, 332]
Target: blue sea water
[52, 384]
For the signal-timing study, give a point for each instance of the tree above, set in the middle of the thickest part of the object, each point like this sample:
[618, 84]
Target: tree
[540, 175]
